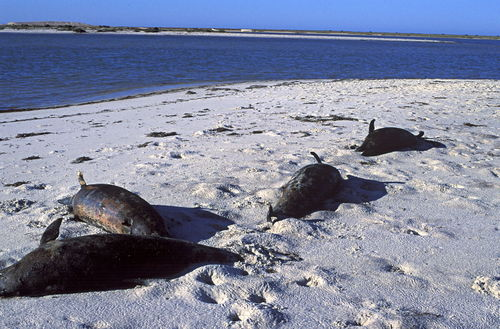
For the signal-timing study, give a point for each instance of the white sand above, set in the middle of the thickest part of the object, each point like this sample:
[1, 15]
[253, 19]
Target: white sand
[413, 245]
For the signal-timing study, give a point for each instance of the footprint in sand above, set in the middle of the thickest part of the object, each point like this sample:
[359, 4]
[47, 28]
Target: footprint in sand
[251, 315]
[320, 278]
[211, 297]
[392, 318]
[404, 273]
[217, 275]
[487, 285]
[216, 191]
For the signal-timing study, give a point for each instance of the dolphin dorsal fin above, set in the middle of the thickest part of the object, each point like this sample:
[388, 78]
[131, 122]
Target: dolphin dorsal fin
[372, 126]
[316, 157]
[51, 232]
[420, 134]
[80, 178]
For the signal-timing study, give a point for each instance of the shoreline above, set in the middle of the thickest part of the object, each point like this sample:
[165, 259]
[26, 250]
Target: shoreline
[239, 34]
[274, 34]
[106, 100]
[213, 85]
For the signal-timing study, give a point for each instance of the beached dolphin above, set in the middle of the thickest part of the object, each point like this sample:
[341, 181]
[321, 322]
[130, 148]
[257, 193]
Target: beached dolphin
[102, 262]
[385, 140]
[116, 210]
[306, 191]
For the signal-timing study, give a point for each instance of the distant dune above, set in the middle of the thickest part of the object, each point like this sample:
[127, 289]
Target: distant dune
[49, 24]
[83, 27]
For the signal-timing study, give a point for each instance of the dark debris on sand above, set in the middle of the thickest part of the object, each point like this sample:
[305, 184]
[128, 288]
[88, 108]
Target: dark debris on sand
[256, 87]
[331, 117]
[143, 144]
[16, 184]
[161, 134]
[24, 135]
[81, 159]
[33, 157]
[468, 124]
[221, 129]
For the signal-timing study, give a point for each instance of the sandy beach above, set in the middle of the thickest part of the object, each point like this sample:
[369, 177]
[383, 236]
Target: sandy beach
[241, 35]
[410, 241]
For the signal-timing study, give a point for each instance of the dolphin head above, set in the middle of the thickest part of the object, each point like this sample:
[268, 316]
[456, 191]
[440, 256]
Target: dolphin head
[4, 291]
[9, 284]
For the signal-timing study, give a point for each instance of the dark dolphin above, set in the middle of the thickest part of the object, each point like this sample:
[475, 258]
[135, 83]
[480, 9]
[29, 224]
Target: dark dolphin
[306, 191]
[385, 140]
[116, 210]
[102, 262]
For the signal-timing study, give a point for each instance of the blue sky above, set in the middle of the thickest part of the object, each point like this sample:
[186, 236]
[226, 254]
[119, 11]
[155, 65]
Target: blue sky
[420, 16]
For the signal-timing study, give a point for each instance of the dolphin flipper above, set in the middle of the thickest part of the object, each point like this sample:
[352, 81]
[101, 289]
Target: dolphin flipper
[52, 232]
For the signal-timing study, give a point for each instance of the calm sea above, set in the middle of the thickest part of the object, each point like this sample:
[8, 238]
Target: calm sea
[42, 70]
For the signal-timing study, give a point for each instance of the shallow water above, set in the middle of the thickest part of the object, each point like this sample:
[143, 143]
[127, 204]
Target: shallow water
[41, 70]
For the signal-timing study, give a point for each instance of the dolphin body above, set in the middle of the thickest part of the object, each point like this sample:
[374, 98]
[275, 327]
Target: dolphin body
[306, 191]
[102, 262]
[389, 139]
[116, 210]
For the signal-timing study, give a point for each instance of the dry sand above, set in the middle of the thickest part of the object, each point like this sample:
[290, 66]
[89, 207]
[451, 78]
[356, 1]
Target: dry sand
[411, 242]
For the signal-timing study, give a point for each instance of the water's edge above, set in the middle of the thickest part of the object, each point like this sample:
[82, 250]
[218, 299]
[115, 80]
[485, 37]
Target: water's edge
[181, 88]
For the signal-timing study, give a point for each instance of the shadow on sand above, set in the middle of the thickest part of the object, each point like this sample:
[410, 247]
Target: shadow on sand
[427, 144]
[192, 224]
[357, 190]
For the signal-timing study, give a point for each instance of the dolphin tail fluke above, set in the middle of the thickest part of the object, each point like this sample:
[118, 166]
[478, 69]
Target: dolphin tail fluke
[316, 157]
[80, 178]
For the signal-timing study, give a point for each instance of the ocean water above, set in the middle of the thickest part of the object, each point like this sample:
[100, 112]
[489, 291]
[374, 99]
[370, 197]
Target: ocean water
[43, 70]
